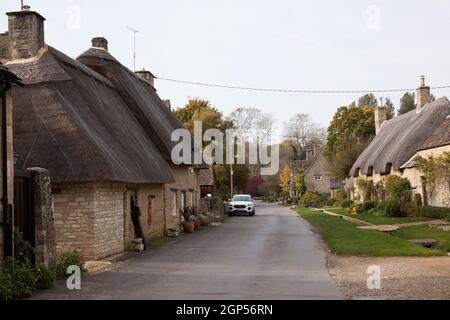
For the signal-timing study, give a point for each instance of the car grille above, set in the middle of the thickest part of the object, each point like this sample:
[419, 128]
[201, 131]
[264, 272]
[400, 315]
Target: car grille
[239, 207]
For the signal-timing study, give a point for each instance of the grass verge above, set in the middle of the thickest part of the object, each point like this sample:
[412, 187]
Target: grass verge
[379, 220]
[344, 238]
[426, 232]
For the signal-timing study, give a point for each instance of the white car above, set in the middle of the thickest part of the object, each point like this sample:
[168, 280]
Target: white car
[241, 204]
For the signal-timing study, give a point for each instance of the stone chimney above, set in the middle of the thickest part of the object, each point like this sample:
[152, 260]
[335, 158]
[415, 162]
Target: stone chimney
[168, 104]
[423, 94]
[146, 75]
[100, 42]
[26, 33]
[380, 116]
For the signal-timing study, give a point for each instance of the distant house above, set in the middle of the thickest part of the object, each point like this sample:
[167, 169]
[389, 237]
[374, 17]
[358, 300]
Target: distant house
[422, 132]
[318, 177]
[104, 135]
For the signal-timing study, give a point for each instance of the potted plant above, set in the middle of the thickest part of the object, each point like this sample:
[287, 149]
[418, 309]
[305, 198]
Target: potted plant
[187, 223]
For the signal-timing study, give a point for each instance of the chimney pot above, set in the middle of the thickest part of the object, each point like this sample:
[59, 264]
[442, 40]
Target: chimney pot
[100, 42]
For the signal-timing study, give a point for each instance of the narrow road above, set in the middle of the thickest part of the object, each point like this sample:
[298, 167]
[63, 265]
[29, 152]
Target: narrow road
[273, 255]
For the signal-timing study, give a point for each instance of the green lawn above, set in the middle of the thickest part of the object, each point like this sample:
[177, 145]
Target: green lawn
[379, 220]
[426, 232]
[345, 238]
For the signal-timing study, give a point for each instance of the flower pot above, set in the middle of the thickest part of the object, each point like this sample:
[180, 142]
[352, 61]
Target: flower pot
[188, 226]
[198, 224]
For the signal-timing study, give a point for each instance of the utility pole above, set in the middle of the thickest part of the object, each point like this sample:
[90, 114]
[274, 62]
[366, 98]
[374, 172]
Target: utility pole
[134, 46]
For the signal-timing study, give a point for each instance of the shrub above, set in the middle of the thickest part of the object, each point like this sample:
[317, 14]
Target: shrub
[418, 200]
[434, 212]
[17, 280]
[45, 277]
[340, 196]
[309, 200]
[368, 205]
[398, 188]
[66, 260]
[390, 207]
[325, 199]
[347, 203]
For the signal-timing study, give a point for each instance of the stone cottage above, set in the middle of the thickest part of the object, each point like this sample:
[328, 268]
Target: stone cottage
[104, 135]
[318, 177]
[422, 132]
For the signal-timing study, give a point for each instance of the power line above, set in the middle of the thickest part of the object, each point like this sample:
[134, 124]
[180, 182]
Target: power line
[235, 87]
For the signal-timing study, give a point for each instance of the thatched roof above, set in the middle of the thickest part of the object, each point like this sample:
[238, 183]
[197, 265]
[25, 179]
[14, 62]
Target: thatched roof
[79, 125]
[153, 114]
[401, 137]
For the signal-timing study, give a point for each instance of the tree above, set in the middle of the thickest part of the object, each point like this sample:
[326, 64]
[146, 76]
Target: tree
[300, 183]
[407, 103]
[390, 108]
[368, 100]
[252, 125]
[349, 133]
[201, 110]
[285, 180]
[302, 132]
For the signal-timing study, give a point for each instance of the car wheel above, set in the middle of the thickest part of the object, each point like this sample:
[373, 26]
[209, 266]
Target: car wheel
[230, 214]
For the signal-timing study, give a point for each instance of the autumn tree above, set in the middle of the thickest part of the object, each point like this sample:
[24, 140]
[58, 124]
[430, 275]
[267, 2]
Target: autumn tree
[285, 179]
[349, 133]
[299, 182]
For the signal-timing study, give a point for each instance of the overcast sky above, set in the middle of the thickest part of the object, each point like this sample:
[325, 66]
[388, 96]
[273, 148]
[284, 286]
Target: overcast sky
[257, 43]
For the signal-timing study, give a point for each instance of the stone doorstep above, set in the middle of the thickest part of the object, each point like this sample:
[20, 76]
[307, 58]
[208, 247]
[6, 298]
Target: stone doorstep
[384, 228]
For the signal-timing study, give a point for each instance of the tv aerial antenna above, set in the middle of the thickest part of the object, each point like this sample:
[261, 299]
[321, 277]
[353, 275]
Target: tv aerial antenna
[134, 46]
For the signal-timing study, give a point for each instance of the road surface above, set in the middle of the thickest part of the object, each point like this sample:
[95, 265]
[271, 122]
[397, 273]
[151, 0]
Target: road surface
[271, 256]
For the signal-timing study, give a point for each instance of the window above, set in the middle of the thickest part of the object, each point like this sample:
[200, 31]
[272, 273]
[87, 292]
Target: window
[191, 198]
[318, 177]
[182, 200]
[174, 203]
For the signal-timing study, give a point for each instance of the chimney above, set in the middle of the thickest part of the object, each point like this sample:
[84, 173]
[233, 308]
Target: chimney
[100, 42]
[146, 75]
[380, 116]
[309, 154]
[423, 94]
[168, 104]
[26, 33]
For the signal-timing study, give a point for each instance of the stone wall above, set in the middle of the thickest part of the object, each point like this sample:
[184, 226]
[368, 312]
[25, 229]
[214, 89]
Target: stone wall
[89, 218]
[186, 180]
[94, 218]
[45, 237]
[149, 196]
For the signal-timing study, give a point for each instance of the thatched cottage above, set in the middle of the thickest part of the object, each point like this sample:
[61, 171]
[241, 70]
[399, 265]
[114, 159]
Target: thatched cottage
[104, 135]
[422, 132]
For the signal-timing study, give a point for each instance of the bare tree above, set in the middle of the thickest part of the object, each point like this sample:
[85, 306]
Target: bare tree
[302, 132]
[252, 125]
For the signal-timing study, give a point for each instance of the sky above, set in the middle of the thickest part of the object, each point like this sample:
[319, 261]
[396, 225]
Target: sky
[300, 45]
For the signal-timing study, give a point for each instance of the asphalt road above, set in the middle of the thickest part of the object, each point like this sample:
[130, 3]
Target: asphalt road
[271, 256]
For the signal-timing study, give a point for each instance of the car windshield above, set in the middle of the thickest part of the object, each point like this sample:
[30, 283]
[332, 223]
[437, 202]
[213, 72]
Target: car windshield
[242, 198]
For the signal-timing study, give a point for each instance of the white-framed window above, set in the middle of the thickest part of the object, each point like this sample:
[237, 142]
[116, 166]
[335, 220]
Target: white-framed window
[182, 200]
[318, 177]
[174, 204]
